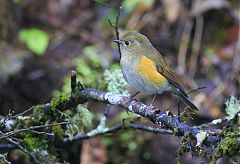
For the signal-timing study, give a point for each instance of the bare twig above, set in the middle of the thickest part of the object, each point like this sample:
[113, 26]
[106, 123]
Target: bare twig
[3, 156]
[21, 148]
[149, 129]
[212, 123]
[6, 135]
[120, 126]
[20, 114]
[116, 28]
[8, 117]
[42, 133]
[194, 90]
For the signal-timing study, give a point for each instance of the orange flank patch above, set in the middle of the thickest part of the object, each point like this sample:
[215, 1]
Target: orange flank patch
[148, 70]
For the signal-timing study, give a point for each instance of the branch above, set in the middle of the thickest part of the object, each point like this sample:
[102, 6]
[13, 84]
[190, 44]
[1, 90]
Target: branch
[101, 130]
[162, 118]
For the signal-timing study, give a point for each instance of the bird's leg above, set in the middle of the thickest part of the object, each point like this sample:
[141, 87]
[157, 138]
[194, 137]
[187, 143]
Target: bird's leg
[153, 99]
[135, 94]
[178, 108]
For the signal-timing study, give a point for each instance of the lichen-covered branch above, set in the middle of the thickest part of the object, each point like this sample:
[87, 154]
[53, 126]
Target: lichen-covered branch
[164, 119]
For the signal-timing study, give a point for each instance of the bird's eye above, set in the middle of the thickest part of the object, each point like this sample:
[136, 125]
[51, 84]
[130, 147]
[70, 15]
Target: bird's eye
[127, 43]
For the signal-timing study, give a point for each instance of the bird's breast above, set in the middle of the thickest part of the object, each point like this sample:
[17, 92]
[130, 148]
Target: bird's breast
[142, 75]
[147, 69]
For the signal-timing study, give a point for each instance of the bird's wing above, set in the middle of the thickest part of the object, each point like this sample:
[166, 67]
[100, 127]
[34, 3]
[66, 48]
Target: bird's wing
[171, 77]
[165, 70]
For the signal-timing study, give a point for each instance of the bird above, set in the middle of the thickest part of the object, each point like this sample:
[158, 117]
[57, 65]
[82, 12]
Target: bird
[145, 69]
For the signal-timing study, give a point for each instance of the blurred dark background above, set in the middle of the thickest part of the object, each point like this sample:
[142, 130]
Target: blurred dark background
[42, 41]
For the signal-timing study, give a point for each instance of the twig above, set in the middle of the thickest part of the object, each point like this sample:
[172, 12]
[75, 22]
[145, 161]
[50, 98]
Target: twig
[9, 115]
[212, 123]
[21, 148]
[101, 131]
[149, 129]
[3, 156]
[42, 133]
[194, 90]
[32, 128]
[24, 112]
[119, 50]
[116, 28]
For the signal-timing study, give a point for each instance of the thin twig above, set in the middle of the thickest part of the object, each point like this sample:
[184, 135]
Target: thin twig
[212, 123]
[21, 148]
[8, 117]
[115, 128]
[3, 157]
[24, 112]
[107, 110]
[42, 133]
[33, 128]
[116, 28]
[149, 129]
[194, 90]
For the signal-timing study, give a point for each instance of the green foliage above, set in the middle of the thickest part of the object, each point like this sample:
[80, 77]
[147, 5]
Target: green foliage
[129, 141]
[101, 1]
[210, 52]
[34, 143]
[17, 2]
[183, 147]
[38, 115]
[131, 5]
[230, 143]
[58, 131]
[35, 39]
[232, 106]
[61, 99]
[66, 88]
[116, 82]
[88, 67]
[91, 52]
[129, 146]
[81, 116]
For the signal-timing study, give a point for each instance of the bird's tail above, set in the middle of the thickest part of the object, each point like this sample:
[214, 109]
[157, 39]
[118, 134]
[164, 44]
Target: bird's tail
[187, 101]
[184, 98]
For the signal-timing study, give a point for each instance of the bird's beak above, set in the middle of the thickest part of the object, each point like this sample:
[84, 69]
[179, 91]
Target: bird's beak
[118, 41]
